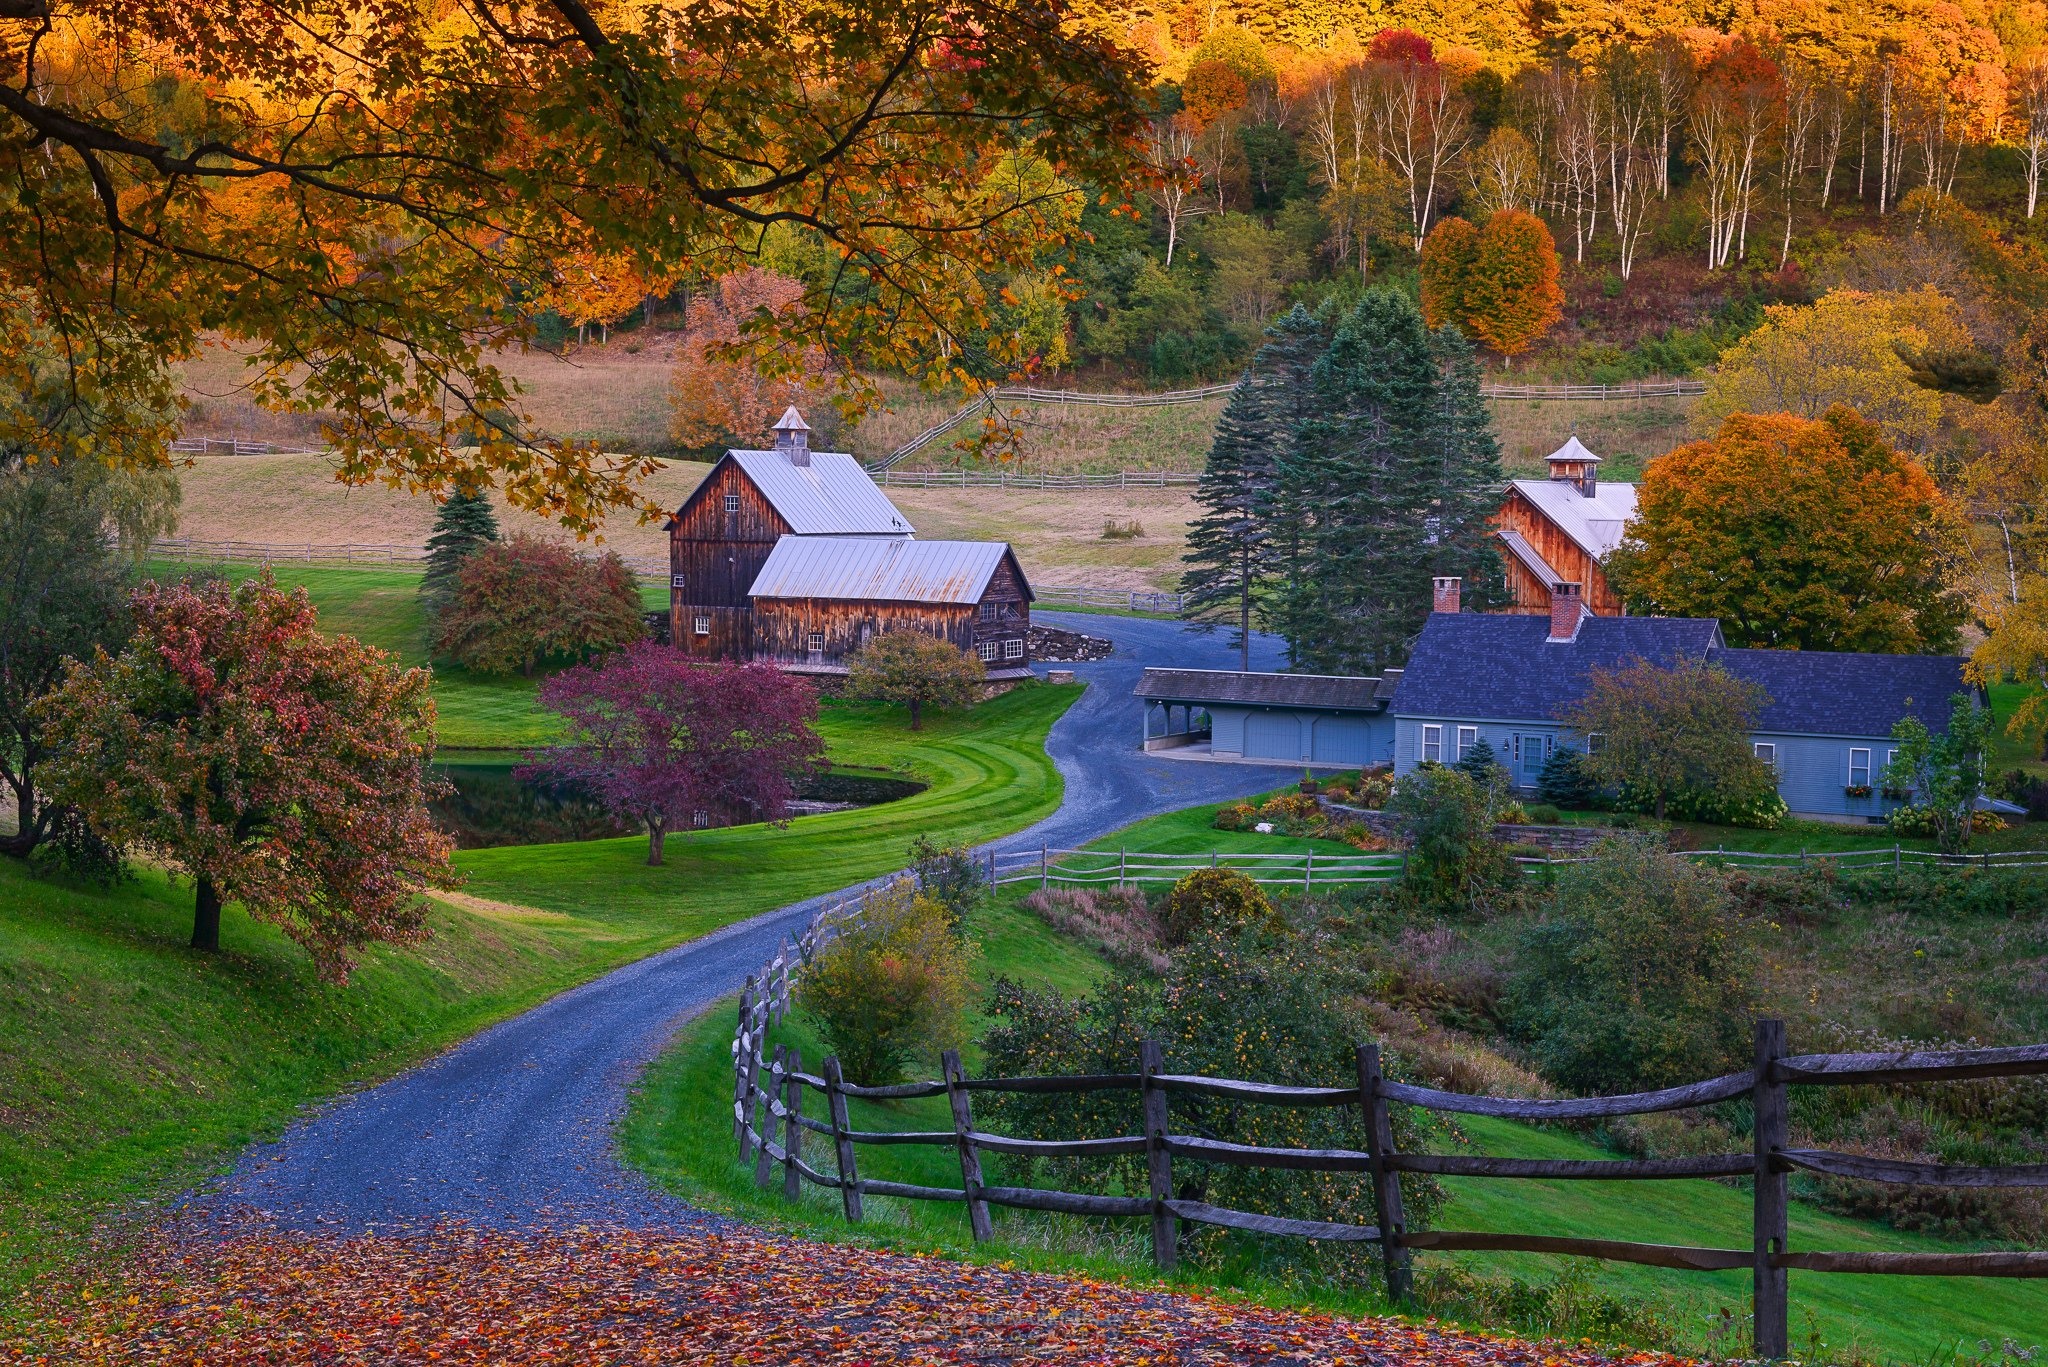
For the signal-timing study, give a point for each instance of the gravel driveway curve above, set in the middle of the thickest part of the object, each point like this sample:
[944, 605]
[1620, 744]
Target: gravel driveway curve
[513, 1128]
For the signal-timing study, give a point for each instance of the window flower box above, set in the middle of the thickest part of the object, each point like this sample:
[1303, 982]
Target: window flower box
[1857, 790]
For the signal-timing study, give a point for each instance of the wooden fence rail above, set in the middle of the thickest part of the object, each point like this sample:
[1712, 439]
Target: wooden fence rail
[770, 1124]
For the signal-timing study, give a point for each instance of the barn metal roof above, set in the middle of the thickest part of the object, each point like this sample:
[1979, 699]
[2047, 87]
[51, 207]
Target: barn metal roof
[1526, 553]
[880, 570]
[1597, 524]
[831, 496]
[1337, 692]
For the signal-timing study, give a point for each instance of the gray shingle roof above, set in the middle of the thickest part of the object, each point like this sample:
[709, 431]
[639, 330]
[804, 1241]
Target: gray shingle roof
[1825, 693]
[879, 569]
[1502, 666]
[832, 496]
[1340, 692]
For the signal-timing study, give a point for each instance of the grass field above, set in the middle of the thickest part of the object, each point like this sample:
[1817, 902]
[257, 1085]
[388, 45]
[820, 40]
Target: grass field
[679, 1130]
[135, 1066]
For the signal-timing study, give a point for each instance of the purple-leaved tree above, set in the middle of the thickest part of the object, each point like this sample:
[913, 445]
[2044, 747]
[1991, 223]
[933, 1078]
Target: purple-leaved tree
[658, 738]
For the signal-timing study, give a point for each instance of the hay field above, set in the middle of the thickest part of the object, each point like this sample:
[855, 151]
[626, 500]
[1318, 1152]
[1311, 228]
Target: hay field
[294, 500]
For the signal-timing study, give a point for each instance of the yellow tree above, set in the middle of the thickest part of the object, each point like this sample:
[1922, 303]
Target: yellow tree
[1849, 348]
[398, 171]
[591, 290]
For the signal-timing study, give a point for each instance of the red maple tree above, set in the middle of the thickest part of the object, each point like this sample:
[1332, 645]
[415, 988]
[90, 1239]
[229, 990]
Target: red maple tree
[660, 738]
[275, 766]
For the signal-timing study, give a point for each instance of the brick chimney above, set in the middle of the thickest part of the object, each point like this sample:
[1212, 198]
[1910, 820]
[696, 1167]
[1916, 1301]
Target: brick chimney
[1449, 592]
[793, 437]
[1567, 610]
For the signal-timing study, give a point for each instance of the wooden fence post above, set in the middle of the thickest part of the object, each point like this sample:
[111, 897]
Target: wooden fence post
[752, 1085]
[1123, 863]
[1308, 872]
[1386, 1183]
[742, 1046]
[970, 1157]
[849, 1173]
[1769, 1232]
[792, 1129]
[764, 1162]
[1044, 869]
[1158, 1162]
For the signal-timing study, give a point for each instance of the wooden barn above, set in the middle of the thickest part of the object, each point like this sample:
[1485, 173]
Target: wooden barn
[1554, 532]
[820, 599]
[797, 556]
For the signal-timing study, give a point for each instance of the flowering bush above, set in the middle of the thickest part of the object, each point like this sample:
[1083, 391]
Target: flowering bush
[1373, 789]
[1236, 817]
[1918, 820]
[1215, 899]
[892, 989]
[1289, 807]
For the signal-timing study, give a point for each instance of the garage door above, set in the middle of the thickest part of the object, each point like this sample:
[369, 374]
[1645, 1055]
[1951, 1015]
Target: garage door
[1343, 740]
[1272, 735]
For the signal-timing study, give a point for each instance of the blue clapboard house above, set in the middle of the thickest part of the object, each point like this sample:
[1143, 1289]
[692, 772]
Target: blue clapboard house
[1509, 679]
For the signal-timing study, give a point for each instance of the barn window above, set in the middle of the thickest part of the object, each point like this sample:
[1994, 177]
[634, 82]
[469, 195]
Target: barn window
[700, 626]
[677, 581]
[987, 650]
[1468, 736]
[1013, 649]
[988, 612]
[732, 503]
[817, 643]
[1432, 745]
[700, 818]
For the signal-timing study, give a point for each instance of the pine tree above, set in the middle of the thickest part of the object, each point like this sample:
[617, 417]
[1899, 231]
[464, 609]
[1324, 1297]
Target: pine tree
[1233, 552]
[1355, 484]
[1467, 478]
[462, 524]
[1477, 760]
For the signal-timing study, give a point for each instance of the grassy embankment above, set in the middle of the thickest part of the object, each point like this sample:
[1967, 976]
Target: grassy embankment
[135, 1067]
[679, 1130]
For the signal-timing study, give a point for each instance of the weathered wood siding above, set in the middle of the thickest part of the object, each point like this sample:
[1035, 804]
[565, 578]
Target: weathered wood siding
[1558, 550]
[783, 627]
[714, 555]
[1003, 615]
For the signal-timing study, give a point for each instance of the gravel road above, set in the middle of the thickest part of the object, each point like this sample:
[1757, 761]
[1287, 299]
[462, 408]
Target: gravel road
[513, 1128]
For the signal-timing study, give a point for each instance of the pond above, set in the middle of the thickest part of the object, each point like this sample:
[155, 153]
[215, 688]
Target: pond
[490, 807]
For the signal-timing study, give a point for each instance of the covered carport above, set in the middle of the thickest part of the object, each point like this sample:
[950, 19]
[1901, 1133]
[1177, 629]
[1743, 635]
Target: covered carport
[1315, 720]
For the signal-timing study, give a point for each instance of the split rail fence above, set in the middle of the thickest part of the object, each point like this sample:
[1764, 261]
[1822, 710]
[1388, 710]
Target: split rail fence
[770, 1125]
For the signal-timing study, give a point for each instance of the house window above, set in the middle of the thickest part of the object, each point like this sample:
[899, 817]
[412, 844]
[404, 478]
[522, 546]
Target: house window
[1859, 767]
[700, 818]
[816, 644]
[1594, 740]
[1468, 736]
[1767, 751]
[732, 503]
[986, 649]
[677, 581]
[700, 626]
[1013, 649]
[1432, 745]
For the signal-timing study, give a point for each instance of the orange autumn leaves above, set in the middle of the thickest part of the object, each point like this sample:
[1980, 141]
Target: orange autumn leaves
[719, 399]
[1498, 283]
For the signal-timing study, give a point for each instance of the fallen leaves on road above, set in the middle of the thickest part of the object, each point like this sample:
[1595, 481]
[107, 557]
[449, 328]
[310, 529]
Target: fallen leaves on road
[595, 1297]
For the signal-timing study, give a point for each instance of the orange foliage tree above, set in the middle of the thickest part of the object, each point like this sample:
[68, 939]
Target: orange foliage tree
[1497, 283]
[397, 171]
[718, 399]
[591, 290]
[1813, 535]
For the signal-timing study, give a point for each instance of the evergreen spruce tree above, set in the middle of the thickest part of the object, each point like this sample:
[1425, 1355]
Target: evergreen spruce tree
[1357, 483]
[1478, 759]
[1236, 546]
[1468, 478]
[462, 524]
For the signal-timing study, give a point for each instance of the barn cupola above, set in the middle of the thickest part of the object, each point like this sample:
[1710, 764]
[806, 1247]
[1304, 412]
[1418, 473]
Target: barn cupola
[793, 437]
[1573, 464]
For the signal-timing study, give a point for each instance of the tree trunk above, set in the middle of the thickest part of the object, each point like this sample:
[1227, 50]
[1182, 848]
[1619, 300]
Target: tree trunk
[656, 833]
[1660, 804]
[206, 916]
[917, 714]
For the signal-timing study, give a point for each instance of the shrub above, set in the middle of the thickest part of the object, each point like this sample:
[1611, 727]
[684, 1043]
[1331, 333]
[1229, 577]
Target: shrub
[1918, 820]
[1543, 814]
[524, 601]
[1512, 813]
[1454, 856]
[1214, 899]
[1253, 1006]
[1360, 837]
[1289, 807]
[1565, 782]
[1760, 810]
[1236, 817]
[1637, 977]
[1373, 788]
[949, 875]
[892, 988]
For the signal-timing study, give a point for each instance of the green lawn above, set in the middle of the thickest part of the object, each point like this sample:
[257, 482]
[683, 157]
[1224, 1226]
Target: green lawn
[135, 1066]
[381, 607]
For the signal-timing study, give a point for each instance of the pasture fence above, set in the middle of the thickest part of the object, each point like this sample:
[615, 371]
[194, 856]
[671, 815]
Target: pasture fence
[266, 553]
[770, 1125]
[237, 446]
[1017, 479]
